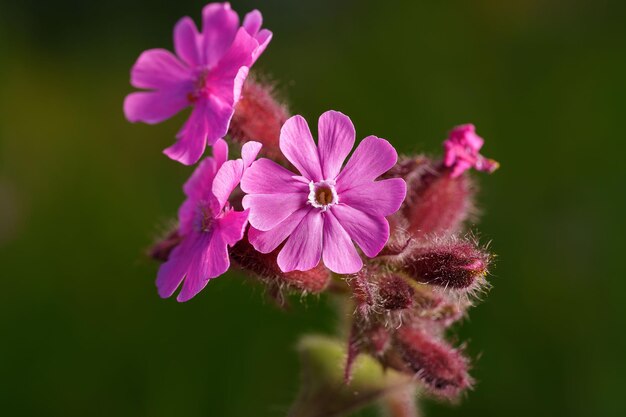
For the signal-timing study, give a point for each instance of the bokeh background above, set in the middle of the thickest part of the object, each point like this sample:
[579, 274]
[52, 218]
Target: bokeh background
[83, 193]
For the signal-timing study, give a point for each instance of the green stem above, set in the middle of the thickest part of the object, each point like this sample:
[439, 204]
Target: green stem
[401, 402]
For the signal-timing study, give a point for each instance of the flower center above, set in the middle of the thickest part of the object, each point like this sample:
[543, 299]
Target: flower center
[201, 89]
[203, 220]
[323, 194]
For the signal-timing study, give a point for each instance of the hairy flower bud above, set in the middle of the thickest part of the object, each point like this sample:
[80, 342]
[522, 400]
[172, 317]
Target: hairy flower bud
[259, 116]
[441, 368]
[265, 267]
[452, 264]
[436, 203]
[395, 292]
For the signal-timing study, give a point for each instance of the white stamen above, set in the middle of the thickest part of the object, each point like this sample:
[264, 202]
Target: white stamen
[319, 190]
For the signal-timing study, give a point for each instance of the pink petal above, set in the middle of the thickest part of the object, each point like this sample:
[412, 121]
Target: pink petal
[265, 242]
[232, 226]
[187, 42]
[340, 255]
[186, 216]
[160, 69]
[369, 232]
[263, 38]
[267, 177]
[372, 158]
[199, 184]
[201, 257]
[380, 198]
[296, 143]
[335, 141]
[154, 106]
[230, 173]
[208, 122]
[172, 272]
[188, 211]
[252, 22]
[459, 168]
[220, 152]
[209, 261]
[268, 210]
[219, 26]
[249, 151]
[197, 259]
[192, 137]
[303, 248]
[198, 192]
[228, 68]
[226, 179]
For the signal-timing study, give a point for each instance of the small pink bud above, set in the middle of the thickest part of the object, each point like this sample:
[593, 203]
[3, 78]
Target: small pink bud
[265, 267]
[441, 368]
[259, 116]
[453, 264]
[461, 151]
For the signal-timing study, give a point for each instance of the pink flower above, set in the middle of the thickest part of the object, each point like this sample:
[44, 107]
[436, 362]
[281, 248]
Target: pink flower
[461, 151]
[321, 211]
[207, 223]
[207, 73]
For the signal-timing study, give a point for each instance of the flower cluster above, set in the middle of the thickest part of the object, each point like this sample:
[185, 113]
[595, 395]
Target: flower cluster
[313, 216]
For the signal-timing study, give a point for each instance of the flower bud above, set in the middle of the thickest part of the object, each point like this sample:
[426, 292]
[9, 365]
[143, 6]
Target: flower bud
[259, 116]
[265, 267]
[441, 368]
[452, 264]
[436, 203]
[434, 307]
[395, 293]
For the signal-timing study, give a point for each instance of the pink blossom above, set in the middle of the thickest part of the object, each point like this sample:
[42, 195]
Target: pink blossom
[207, 223]
[207, 73]
[461, 151]
[321, 211]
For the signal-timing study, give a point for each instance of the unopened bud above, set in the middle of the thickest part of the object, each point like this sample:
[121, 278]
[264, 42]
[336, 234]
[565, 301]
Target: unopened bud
[441, 368]
[436, 203]
[437, 307]
[266, 268]
[454, 264]
[395, 292]
[259, 116]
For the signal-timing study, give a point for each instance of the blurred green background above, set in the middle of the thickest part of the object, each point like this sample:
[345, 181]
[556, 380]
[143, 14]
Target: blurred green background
[83, 193]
